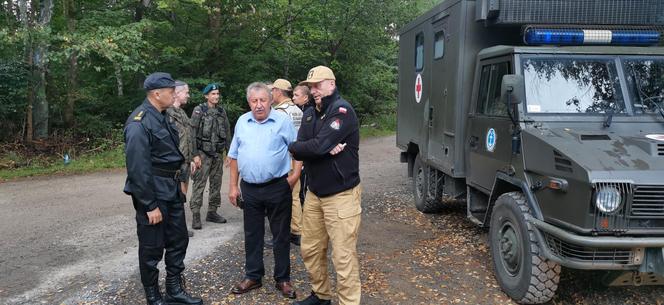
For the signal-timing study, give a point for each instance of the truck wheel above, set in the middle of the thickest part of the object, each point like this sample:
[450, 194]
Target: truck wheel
[522, 273]
[425, 202]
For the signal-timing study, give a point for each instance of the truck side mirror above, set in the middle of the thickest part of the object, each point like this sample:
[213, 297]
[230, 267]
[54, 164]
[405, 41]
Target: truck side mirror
[513, 87]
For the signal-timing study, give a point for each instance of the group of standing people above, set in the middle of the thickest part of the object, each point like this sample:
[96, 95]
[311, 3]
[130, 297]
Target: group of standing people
[293, 158]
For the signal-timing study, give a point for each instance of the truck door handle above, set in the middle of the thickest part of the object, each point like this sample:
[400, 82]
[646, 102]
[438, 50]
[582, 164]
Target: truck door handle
[473, 142]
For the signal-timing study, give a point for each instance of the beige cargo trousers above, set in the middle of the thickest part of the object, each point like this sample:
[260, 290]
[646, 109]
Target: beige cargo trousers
[334, 220]
[296, 215]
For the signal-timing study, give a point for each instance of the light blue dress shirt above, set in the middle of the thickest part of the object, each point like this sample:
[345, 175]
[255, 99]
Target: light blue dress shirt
[261, 148]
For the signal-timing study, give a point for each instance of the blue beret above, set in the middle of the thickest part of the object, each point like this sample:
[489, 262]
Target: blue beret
[158, 80]
[210, 87]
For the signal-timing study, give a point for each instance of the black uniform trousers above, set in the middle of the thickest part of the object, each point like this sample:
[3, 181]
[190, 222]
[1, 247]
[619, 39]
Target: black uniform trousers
[170, 236]
[272, 199]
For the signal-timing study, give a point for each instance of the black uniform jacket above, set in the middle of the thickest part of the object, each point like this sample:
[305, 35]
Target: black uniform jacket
[321, 131]
[151, 143]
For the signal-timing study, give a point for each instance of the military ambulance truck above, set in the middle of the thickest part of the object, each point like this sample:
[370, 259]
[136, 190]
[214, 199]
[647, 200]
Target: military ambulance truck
[546, 118]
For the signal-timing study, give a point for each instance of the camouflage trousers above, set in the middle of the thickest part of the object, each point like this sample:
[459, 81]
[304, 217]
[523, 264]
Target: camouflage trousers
[212, 169]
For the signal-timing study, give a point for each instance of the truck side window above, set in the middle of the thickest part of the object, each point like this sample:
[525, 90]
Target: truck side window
[439, 45]
[484, 89]
[489, 102]
[419, 52]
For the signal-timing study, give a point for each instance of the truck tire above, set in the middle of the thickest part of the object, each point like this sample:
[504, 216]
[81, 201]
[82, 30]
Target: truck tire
[522, 273]
[425, 202]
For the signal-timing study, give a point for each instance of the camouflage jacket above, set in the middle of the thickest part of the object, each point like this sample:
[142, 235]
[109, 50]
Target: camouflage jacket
[210, 130]
[179, 118]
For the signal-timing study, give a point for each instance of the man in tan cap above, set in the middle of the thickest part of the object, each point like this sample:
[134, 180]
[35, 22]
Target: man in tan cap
[328, 143]
[282, 92]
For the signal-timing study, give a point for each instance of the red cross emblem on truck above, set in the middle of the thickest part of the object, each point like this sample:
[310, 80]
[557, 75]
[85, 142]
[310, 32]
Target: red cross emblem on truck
[418, 88]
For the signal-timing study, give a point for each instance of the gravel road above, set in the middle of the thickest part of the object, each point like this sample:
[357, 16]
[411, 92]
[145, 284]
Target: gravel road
[71, 240]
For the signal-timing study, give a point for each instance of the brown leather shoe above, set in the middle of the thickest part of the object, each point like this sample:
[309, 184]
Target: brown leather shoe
[245, 286]
[286, 289]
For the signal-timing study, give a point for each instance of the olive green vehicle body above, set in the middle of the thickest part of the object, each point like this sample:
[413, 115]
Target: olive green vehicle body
[577, 153]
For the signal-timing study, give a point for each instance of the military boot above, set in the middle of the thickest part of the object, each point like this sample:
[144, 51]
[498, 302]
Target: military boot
[175, 293]
[212, 216]
[196, 221]
[153, 295]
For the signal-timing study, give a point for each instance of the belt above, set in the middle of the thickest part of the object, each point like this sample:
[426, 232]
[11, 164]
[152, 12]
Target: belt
[269, 182]
[166, 172]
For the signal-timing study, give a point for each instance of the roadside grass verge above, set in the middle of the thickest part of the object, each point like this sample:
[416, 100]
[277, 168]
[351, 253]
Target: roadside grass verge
[379, 126]
[112, 156]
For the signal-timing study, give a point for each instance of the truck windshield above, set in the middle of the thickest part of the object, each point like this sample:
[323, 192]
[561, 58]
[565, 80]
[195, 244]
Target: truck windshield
[645, 80]
[572, 85]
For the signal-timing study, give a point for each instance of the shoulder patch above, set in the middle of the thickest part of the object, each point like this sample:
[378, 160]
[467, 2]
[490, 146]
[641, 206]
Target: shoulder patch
[309, 118]
[336, 124]
[139, 116]
[343, 110]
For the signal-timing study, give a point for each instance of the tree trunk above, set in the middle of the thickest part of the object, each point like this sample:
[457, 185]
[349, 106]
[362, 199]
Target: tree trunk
[215, 30]
[140, 9]
[40, 62]
[118, 78]
[289, 20]
[72, 71]
[27, 44]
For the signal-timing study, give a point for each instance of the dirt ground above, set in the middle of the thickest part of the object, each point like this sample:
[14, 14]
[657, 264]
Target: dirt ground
[71, 240]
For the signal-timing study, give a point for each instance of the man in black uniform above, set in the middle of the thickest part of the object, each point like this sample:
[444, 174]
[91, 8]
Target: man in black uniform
[153, 162]
[328, 143]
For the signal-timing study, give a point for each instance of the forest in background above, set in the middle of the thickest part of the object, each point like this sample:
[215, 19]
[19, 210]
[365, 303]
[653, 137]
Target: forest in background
[72, 70]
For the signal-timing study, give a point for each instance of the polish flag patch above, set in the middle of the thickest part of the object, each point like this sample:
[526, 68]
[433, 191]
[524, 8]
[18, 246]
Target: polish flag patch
[343, 110]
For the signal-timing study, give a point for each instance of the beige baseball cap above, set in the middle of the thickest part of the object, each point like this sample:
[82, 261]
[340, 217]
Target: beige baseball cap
[318, 74]
[282, 84]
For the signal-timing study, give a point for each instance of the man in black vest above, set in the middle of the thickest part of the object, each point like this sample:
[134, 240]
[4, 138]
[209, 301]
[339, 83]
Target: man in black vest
[328, 143]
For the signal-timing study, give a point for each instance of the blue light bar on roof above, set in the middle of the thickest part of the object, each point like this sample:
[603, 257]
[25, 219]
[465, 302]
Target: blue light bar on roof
[576, 36]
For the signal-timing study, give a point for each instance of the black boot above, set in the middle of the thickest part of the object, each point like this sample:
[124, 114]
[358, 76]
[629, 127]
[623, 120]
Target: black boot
[175, 293]
[212, 216]
[196, 221]
[153, 295]
[313, 300]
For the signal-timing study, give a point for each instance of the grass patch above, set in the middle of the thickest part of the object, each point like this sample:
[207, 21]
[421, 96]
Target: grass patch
[112, 154]
[112, 158]
[378, 126]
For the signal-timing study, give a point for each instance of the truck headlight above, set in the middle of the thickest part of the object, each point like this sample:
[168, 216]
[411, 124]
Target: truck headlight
[608, 199]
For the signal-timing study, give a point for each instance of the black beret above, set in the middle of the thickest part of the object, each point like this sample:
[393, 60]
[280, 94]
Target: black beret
[158, 80]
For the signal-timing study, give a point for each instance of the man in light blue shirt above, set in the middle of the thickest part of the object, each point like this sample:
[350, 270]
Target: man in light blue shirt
[259, 155]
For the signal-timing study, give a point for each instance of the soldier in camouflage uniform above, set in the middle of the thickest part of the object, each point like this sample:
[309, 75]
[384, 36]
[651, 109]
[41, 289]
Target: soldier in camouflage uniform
[178, 117]
[210, 132]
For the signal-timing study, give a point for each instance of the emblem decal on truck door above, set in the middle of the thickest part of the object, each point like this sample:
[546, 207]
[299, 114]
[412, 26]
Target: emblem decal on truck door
[491, 140]
[418, 88]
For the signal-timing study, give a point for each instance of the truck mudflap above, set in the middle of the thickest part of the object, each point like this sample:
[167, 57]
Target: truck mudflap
[641, 254]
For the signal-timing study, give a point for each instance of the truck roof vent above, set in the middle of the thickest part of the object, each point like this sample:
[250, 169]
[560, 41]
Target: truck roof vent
[607, 12]
[595, 137]
[660, 149]
[561, 163]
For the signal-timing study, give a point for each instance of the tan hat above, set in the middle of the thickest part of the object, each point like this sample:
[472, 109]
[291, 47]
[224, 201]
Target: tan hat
[318, 74]
[282, 84]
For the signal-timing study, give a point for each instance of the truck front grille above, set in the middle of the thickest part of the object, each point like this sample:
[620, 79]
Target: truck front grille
[660, 149]
[648, 201]
[585, 254]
